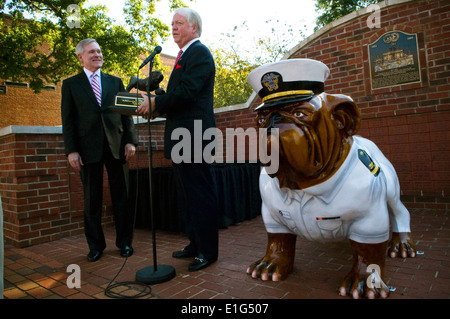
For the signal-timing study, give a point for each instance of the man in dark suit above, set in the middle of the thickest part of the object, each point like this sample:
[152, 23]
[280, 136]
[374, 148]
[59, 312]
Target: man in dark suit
[95, 137]
[188, 106]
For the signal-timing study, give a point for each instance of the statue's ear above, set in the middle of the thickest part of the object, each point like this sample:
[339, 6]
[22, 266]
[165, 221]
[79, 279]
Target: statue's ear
[345, 112]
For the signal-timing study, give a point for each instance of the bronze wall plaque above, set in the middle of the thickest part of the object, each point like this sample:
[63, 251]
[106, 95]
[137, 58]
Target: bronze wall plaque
[394, 60]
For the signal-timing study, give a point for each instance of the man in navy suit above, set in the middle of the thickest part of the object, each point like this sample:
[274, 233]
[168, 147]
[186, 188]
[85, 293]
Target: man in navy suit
[95, 136]
[188, 105]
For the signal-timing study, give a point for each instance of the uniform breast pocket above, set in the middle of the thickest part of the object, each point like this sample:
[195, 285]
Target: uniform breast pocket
[330, 228]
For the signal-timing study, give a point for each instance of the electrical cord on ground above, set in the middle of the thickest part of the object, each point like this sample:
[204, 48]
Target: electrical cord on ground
[146, 288]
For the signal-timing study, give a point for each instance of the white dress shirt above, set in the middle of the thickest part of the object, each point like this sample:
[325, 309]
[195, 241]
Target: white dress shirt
[89, 76]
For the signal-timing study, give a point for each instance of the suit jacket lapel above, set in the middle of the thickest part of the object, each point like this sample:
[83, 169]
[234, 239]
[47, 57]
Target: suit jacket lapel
[105, 86]
[86, 87]
[186, 53]
[182, 60]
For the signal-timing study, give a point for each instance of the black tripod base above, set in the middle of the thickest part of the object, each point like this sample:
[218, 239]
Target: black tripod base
[150, 276]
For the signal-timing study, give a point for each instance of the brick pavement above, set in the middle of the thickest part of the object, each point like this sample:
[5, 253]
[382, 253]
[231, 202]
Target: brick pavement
[40, 271]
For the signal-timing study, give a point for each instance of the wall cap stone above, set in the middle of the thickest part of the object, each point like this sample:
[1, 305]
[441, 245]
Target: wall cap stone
[339, 22]
[28, 129]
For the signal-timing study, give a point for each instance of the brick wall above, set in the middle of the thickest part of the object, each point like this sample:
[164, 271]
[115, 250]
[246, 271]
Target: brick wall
[20, 106]
[42, 197]
[34, 184]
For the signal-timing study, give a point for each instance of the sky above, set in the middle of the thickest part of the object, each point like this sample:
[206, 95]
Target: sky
[221, 16]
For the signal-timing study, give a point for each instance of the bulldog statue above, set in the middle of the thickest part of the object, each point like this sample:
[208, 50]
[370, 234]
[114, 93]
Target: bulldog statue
[141, 84]
[330, 184]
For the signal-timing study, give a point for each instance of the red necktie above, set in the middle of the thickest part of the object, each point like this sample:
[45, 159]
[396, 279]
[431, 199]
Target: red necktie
[96, 88]
[178, 57]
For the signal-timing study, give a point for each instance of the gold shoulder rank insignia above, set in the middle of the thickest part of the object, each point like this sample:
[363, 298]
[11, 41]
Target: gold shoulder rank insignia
[367, 161]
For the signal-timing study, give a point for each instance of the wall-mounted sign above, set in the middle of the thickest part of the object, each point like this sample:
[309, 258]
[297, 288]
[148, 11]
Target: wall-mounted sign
[394, 60]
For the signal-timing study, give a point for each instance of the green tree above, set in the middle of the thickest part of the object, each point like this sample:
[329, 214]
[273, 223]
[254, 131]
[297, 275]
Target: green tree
[234, 63]
[38, 38]
[335, 9]
[231, 85]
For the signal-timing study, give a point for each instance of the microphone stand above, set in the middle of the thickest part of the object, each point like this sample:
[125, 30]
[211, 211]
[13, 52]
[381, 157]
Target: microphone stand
[153, 274]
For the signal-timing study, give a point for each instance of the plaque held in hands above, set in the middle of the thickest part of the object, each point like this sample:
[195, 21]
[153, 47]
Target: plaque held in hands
[126, 103]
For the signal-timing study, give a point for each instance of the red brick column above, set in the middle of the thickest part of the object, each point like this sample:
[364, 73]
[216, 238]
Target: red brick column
[34, 185]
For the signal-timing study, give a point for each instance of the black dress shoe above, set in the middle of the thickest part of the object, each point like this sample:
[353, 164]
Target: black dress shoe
[184, 253]
[200, 263]
[94, 255]
[126, 251]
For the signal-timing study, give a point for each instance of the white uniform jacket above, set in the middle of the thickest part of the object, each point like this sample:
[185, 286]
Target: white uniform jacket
[354, 203]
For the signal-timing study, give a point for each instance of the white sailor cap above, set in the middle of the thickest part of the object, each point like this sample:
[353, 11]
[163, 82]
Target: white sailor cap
[288, 81]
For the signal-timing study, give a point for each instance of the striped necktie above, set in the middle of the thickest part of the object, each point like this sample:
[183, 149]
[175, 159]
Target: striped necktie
[178, 57]
[97, 89]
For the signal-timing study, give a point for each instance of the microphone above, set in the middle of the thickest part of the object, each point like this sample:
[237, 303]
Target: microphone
[151, 56]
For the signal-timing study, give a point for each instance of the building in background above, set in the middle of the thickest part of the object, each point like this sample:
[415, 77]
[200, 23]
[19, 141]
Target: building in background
[19, 105]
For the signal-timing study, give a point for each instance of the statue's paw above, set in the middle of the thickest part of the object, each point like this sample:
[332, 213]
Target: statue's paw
[279, 259]
[401, 245]
[359, 287]
[265, 269]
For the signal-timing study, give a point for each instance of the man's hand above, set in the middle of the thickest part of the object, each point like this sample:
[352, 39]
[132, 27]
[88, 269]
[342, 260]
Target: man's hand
[130, 150]
[143, 109]
[75, 160]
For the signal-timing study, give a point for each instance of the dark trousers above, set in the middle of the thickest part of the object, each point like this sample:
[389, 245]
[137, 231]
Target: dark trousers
[197, 202]
[118, 178]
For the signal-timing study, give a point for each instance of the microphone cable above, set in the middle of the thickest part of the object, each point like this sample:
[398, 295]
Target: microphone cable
[146, 290]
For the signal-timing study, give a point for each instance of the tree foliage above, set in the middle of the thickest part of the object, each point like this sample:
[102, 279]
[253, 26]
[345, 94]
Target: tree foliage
[231, 85]
[233, 63]
[335, 9]
[37, 44]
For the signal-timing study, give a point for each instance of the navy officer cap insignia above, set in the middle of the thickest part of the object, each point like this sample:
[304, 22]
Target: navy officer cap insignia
[270, 81]
[288, 81]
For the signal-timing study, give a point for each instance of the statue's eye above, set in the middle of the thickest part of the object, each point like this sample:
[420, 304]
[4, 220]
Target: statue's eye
[299, 114]
[262, 116]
